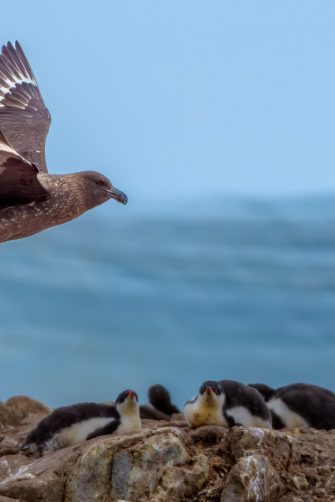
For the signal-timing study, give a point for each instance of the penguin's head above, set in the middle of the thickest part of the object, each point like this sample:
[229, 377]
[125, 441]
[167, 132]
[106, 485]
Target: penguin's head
[127, 402]
[210, 392]
[206, 407]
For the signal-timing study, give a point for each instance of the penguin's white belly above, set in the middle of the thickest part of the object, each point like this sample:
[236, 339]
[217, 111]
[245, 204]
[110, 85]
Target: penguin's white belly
[197, 415]
[79, 431]
[242, 415]
[290, 418]
[129, 424]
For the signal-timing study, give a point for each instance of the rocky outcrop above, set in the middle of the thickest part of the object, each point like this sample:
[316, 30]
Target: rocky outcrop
[16, 408]
[168, 462]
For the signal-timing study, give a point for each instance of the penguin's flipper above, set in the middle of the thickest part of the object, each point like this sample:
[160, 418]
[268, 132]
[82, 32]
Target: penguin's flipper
[103, 431]
[150, 413]
[160, 399]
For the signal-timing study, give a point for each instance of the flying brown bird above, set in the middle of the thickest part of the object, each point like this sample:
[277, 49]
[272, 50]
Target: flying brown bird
[31, 199]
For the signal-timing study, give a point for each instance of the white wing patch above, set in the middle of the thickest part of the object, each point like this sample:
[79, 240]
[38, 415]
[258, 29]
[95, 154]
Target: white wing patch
[290, 418]
[242, 416]
[12, 83]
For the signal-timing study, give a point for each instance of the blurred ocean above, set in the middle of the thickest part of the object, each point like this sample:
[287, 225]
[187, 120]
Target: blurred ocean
[243, 290]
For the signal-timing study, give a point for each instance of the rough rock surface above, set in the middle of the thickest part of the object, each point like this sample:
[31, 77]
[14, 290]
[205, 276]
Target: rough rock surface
[167, 462]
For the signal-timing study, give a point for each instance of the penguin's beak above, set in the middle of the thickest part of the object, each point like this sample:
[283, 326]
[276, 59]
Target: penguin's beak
[209, 391]
[131, 395]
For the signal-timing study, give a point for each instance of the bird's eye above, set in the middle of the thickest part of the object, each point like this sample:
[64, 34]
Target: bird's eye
[99, 183]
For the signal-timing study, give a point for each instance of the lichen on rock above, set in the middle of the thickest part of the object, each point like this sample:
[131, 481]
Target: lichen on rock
[253, 479]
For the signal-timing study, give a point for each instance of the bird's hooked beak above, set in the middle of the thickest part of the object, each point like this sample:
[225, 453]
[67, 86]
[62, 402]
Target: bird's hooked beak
[209, 391]
[118, 195]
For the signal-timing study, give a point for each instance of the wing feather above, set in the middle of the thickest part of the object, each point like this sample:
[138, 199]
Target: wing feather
[24, 118]
[18, 178]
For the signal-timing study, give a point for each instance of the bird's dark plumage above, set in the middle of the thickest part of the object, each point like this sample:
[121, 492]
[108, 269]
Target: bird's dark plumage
[18, 178]
[160, 407]
[160, 399]
[73, 424]
[32, 200]
[227, 403]
[103, 431]
[263, 389]
[24, 118]
[64, 417]
[314, 404]
[238, 394]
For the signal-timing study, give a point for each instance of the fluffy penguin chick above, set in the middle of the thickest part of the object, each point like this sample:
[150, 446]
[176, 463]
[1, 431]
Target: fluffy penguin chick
[206, 408]
[160, 399]
[73, 424]
[302, 405]
[263, 389]
[160, 406]
[227, 403]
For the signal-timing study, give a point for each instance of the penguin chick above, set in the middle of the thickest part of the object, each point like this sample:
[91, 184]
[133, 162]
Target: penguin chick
[73, 424]
[150, 413]
[245, 405]
[160, 407]
[302, 405]
[227, 403]
[206, 408]
[263, 389]
[160, 399]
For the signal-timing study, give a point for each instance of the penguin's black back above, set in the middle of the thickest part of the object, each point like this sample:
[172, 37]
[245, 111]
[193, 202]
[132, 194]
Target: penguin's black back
[314, 404]
[66, 416]
[266, 391]
[238, 394]
[150, 413]
[160, 399]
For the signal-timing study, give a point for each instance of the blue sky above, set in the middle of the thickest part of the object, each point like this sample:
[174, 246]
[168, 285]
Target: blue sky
[186, 98]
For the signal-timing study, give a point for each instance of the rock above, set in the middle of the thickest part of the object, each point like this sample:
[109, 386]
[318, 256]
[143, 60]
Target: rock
[7, 499]
[300, 482]
[146, 466]
[252, 479]
[167, 462]
[32, 480]
[24, 405]
[7, 416]
[17, 408]
[160, 468]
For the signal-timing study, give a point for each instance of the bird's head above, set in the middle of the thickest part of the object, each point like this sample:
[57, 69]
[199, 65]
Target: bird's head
[97, 189]
[206, 407]
[127, 403]
[210, 387]
[210, 393]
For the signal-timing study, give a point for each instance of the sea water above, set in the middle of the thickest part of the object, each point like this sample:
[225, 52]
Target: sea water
[107, 303]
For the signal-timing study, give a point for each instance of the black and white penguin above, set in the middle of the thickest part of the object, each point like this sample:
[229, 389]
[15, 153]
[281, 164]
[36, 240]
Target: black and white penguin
[263, 389]
[73, 424]
[302, 405]
[161, 406]
[227, 403]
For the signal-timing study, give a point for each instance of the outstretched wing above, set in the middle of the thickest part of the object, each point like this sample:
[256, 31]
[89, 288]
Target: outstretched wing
[18, 178]
[24, 118]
